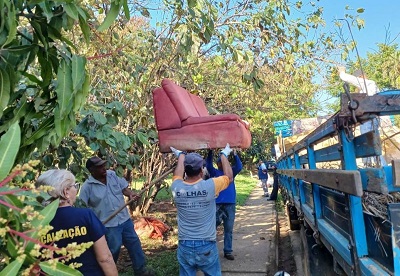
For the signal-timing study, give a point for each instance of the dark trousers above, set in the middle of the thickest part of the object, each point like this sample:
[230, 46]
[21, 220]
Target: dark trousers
[274, 193]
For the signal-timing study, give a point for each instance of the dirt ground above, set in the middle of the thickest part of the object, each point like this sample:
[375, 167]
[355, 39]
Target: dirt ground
[166, 212]
[286, 261]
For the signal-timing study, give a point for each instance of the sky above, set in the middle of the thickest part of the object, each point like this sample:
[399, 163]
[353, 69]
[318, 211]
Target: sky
[379, 16]
[382, 25]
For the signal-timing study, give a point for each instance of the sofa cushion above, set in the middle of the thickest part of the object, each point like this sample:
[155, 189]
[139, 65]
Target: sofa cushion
[210, 135]
[180, 98]
[199, 105]
[164, 112]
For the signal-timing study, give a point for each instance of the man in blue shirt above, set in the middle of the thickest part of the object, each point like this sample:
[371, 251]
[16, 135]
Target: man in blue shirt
[263, 176]
[226, 201]
[104, 193]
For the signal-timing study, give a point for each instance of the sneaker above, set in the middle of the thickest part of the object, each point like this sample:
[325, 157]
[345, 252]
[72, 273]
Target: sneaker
[229, 256]
[266, 195]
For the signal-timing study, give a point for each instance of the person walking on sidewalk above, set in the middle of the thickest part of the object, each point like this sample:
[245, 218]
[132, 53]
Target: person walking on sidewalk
[104, 193]
[195, 202]
[263, 176]
[226, 201]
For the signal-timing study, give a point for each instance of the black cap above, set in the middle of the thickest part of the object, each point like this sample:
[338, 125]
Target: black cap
[94, 162]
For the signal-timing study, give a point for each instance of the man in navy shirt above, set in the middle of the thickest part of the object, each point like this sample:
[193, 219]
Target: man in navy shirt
[226, 201]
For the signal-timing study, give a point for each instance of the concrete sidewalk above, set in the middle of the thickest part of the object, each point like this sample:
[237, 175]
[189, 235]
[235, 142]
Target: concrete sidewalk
[254, 239]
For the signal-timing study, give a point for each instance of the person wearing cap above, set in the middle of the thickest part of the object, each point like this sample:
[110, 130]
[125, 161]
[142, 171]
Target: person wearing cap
[194, 198]
[226, 200]
[79, 225]
[104, 193]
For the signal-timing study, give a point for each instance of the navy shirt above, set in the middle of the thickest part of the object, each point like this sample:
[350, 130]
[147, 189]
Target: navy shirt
[229, 194]
[78, 225]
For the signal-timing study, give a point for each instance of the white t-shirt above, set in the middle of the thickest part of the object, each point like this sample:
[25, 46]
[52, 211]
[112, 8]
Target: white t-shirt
[368, 87]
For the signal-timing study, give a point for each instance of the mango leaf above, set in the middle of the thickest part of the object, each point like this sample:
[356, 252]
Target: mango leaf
[13, 268]
[44, 129]
[12, 247]
[71, 10]
[111, 15]
[9, 147]
[80, 96]
[84, 28]
[11, 21]
[64, 88]
[78, 67]
[59, 269]
[4, 90]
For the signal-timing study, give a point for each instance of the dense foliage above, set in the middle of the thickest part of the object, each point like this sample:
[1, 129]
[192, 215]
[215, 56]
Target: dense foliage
[76, 80]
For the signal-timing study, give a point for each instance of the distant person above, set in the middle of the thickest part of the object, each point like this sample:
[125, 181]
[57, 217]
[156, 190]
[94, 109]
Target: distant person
[194, 198]
[104, 192]
[369, 87]
[80, 225]
[263, 176]
[226, 201]
[275, 186]
[359, 80]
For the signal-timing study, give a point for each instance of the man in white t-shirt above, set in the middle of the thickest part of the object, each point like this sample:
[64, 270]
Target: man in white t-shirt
[369, 87]
[359, 80]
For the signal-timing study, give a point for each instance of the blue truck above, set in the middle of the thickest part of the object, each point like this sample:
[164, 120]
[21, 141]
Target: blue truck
[347, 206]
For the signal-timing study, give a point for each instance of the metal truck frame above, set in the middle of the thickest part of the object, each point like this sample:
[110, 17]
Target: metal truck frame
[329, 202]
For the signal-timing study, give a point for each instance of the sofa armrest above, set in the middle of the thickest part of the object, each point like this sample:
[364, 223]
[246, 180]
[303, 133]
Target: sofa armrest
[210, 119]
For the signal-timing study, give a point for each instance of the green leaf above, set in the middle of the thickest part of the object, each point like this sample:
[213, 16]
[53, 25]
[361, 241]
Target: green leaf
[85, 28]
[99, 118]
[43, 130]
[142, 138]
[71, 10]
[64, 88]
[360, 10]
[9, 147]
[12, 247]
[59, 269]
[13, 268]
[111, 15]
[11, 21]
[4, 90]
[78, 72]
[20, 49]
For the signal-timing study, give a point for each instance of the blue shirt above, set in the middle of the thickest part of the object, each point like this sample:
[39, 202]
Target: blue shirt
[229, 194]
[78, 225]
[261, 174]
[104, 199]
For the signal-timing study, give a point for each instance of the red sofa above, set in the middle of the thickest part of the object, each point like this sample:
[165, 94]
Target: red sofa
[183, 122]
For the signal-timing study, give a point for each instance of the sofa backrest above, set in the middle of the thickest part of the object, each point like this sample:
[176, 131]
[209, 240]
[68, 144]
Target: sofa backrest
[164, 111]
[184, 102]
[199, 105]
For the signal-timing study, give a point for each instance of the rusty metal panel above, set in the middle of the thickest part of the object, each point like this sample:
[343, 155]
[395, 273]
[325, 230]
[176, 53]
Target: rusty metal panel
[345, 181]
[374, 180]
[378, 104]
